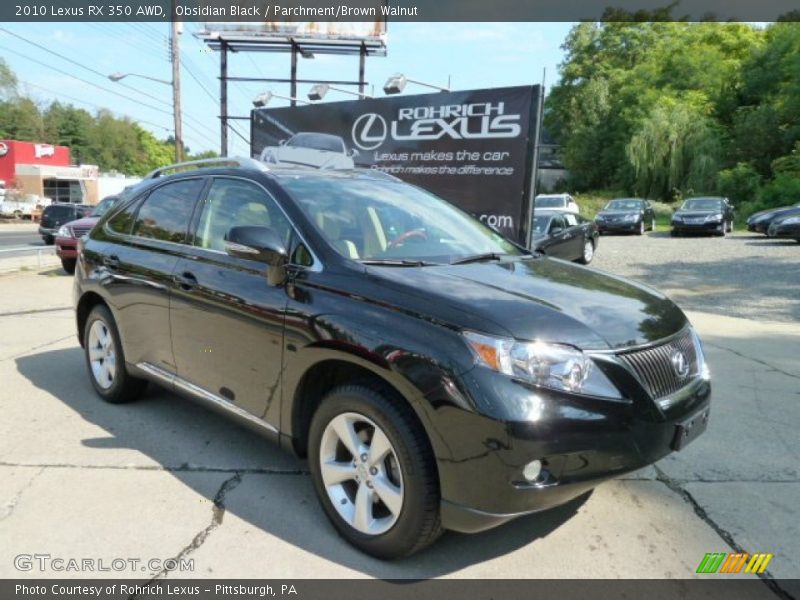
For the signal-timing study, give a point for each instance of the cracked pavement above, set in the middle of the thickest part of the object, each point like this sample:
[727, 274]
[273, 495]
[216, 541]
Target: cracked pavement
[164, 478]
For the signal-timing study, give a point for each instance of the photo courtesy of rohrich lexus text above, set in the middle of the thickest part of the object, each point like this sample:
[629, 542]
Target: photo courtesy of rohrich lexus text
[390, 300]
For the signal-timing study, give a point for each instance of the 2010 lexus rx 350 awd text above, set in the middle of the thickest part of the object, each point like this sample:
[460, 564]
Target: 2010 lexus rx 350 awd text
[435, 375]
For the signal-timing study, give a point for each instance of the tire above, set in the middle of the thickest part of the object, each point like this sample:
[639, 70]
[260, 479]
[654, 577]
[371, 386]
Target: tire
[641, 229]
[407, 472]
[730, 226]
[652, 225]
[102, 348]
[68, 264]
[588, 252]
[49, 240]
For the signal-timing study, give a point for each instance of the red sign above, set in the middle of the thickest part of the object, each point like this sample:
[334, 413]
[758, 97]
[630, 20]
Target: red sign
[13, 153]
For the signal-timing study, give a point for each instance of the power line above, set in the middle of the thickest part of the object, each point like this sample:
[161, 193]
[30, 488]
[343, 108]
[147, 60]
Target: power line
[82, 66]
[100, 87]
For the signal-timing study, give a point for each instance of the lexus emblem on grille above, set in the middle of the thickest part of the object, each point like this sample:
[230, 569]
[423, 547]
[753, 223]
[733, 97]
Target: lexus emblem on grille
[680, 364]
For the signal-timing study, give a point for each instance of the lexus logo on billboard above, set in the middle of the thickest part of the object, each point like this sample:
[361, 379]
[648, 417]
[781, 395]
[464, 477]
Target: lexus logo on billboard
[481, 120]
[369, 131]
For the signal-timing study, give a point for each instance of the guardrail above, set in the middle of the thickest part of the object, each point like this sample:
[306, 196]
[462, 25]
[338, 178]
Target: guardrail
[39, 250]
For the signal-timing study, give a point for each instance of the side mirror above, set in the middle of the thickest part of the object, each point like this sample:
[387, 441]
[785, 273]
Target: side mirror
[281, 143]
[556, 230]
[254, 242]
[353, 153]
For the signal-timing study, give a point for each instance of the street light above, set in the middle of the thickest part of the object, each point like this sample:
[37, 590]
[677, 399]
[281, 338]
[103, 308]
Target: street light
[120, 76]
[318, 92]
[263, 99]
[397, 83]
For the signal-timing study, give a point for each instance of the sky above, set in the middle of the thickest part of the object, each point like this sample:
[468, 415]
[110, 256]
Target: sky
[471, 55]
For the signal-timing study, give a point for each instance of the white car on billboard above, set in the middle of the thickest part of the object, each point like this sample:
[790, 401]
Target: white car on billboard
[563, 202]
[311, 149]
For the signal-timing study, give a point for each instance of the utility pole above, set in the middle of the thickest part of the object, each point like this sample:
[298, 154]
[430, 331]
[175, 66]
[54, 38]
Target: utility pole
[175, 51]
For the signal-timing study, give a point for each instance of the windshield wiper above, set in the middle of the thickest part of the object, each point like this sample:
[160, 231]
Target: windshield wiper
[477, 258]
[395, 262]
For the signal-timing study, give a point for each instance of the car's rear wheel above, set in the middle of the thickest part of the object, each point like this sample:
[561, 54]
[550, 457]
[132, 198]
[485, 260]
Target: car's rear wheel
[588, 252]
[652, 224]
[374, 472]
[105, 360]
[68, 264]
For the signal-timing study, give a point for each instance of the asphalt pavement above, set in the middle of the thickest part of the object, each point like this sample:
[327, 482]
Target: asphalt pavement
[164, 478]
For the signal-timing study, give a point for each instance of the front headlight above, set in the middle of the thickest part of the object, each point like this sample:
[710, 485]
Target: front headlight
[64, 231]
[701, 357]
[553, 366]
[716, 217]
[677, 218]
[790, 221]
[631, 218]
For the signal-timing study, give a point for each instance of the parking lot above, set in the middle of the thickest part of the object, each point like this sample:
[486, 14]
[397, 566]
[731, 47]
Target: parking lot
[163, 478]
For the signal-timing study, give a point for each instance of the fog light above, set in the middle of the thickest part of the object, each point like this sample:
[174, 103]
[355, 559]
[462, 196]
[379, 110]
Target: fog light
[532, 470]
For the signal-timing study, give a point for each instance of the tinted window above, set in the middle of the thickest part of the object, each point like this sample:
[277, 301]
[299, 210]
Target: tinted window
[64, 210]
[166, 212]
[104, 206]
[550, 202]
[625, 205]
[703, 204]
[557, 223]
[234, 202]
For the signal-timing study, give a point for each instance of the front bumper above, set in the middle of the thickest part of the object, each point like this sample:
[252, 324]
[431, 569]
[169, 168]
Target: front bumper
[581, 442]
[785, 231]
[757, 227]
[621, 226]
[705, 227]
[47, 231]
[66, 247]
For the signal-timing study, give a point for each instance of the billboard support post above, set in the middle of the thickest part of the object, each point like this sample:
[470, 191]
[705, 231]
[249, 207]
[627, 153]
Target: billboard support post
[293, 75]
[361, 68]
[223, 98]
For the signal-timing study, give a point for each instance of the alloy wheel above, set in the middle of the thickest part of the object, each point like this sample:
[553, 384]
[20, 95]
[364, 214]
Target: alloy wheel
[361, 473]
[588, 251]
[102, 354]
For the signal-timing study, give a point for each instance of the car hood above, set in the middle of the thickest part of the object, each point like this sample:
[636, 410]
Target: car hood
[619, 213]
[698, 212]
[84, 222]
[537, 298]
[771, 212]
[307, 156]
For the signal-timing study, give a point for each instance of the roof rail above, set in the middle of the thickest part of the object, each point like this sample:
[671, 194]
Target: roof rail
[209, 163]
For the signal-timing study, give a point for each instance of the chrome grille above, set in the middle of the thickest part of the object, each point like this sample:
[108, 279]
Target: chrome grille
[654, 368]
[80, 231]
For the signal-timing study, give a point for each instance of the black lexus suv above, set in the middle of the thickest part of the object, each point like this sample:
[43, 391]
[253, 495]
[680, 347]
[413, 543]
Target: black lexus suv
[435, 374]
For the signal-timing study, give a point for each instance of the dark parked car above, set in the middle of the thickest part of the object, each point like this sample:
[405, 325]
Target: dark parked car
[436, 375]
[787, 226]
[633, 215]
[55, 215]
[703, 215]
[564, 235]
[68, 235]
[759, 222]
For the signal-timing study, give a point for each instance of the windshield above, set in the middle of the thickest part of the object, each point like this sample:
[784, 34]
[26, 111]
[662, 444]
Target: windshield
[104, 206]
[624, 205]
[550, 202]
[317, 141]
[540, 224]
[385, 220]
[702, 204]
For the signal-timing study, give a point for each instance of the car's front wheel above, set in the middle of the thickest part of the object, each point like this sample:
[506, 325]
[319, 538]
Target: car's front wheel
[49, 240]
[588, 252]
[641, 227]
[374, 471]
[68, 264]
[105, 360]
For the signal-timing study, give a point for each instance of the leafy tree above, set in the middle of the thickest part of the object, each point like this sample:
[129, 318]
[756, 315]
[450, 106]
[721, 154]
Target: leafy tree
[740, 184]
[8, 81]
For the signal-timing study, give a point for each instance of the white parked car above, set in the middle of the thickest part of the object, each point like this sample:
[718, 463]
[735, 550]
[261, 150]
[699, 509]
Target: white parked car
[311, 149]
[563, 202]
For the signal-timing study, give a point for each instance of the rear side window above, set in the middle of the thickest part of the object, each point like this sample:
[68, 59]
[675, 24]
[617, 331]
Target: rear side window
[59, 211]
[165, 213]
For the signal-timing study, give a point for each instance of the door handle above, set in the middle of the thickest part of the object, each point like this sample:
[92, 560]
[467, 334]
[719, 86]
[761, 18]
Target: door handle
[185, 280]
[111, 261]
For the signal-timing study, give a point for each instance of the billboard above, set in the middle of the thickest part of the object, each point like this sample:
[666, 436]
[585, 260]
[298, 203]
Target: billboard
[474, 148]
[322, 30]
